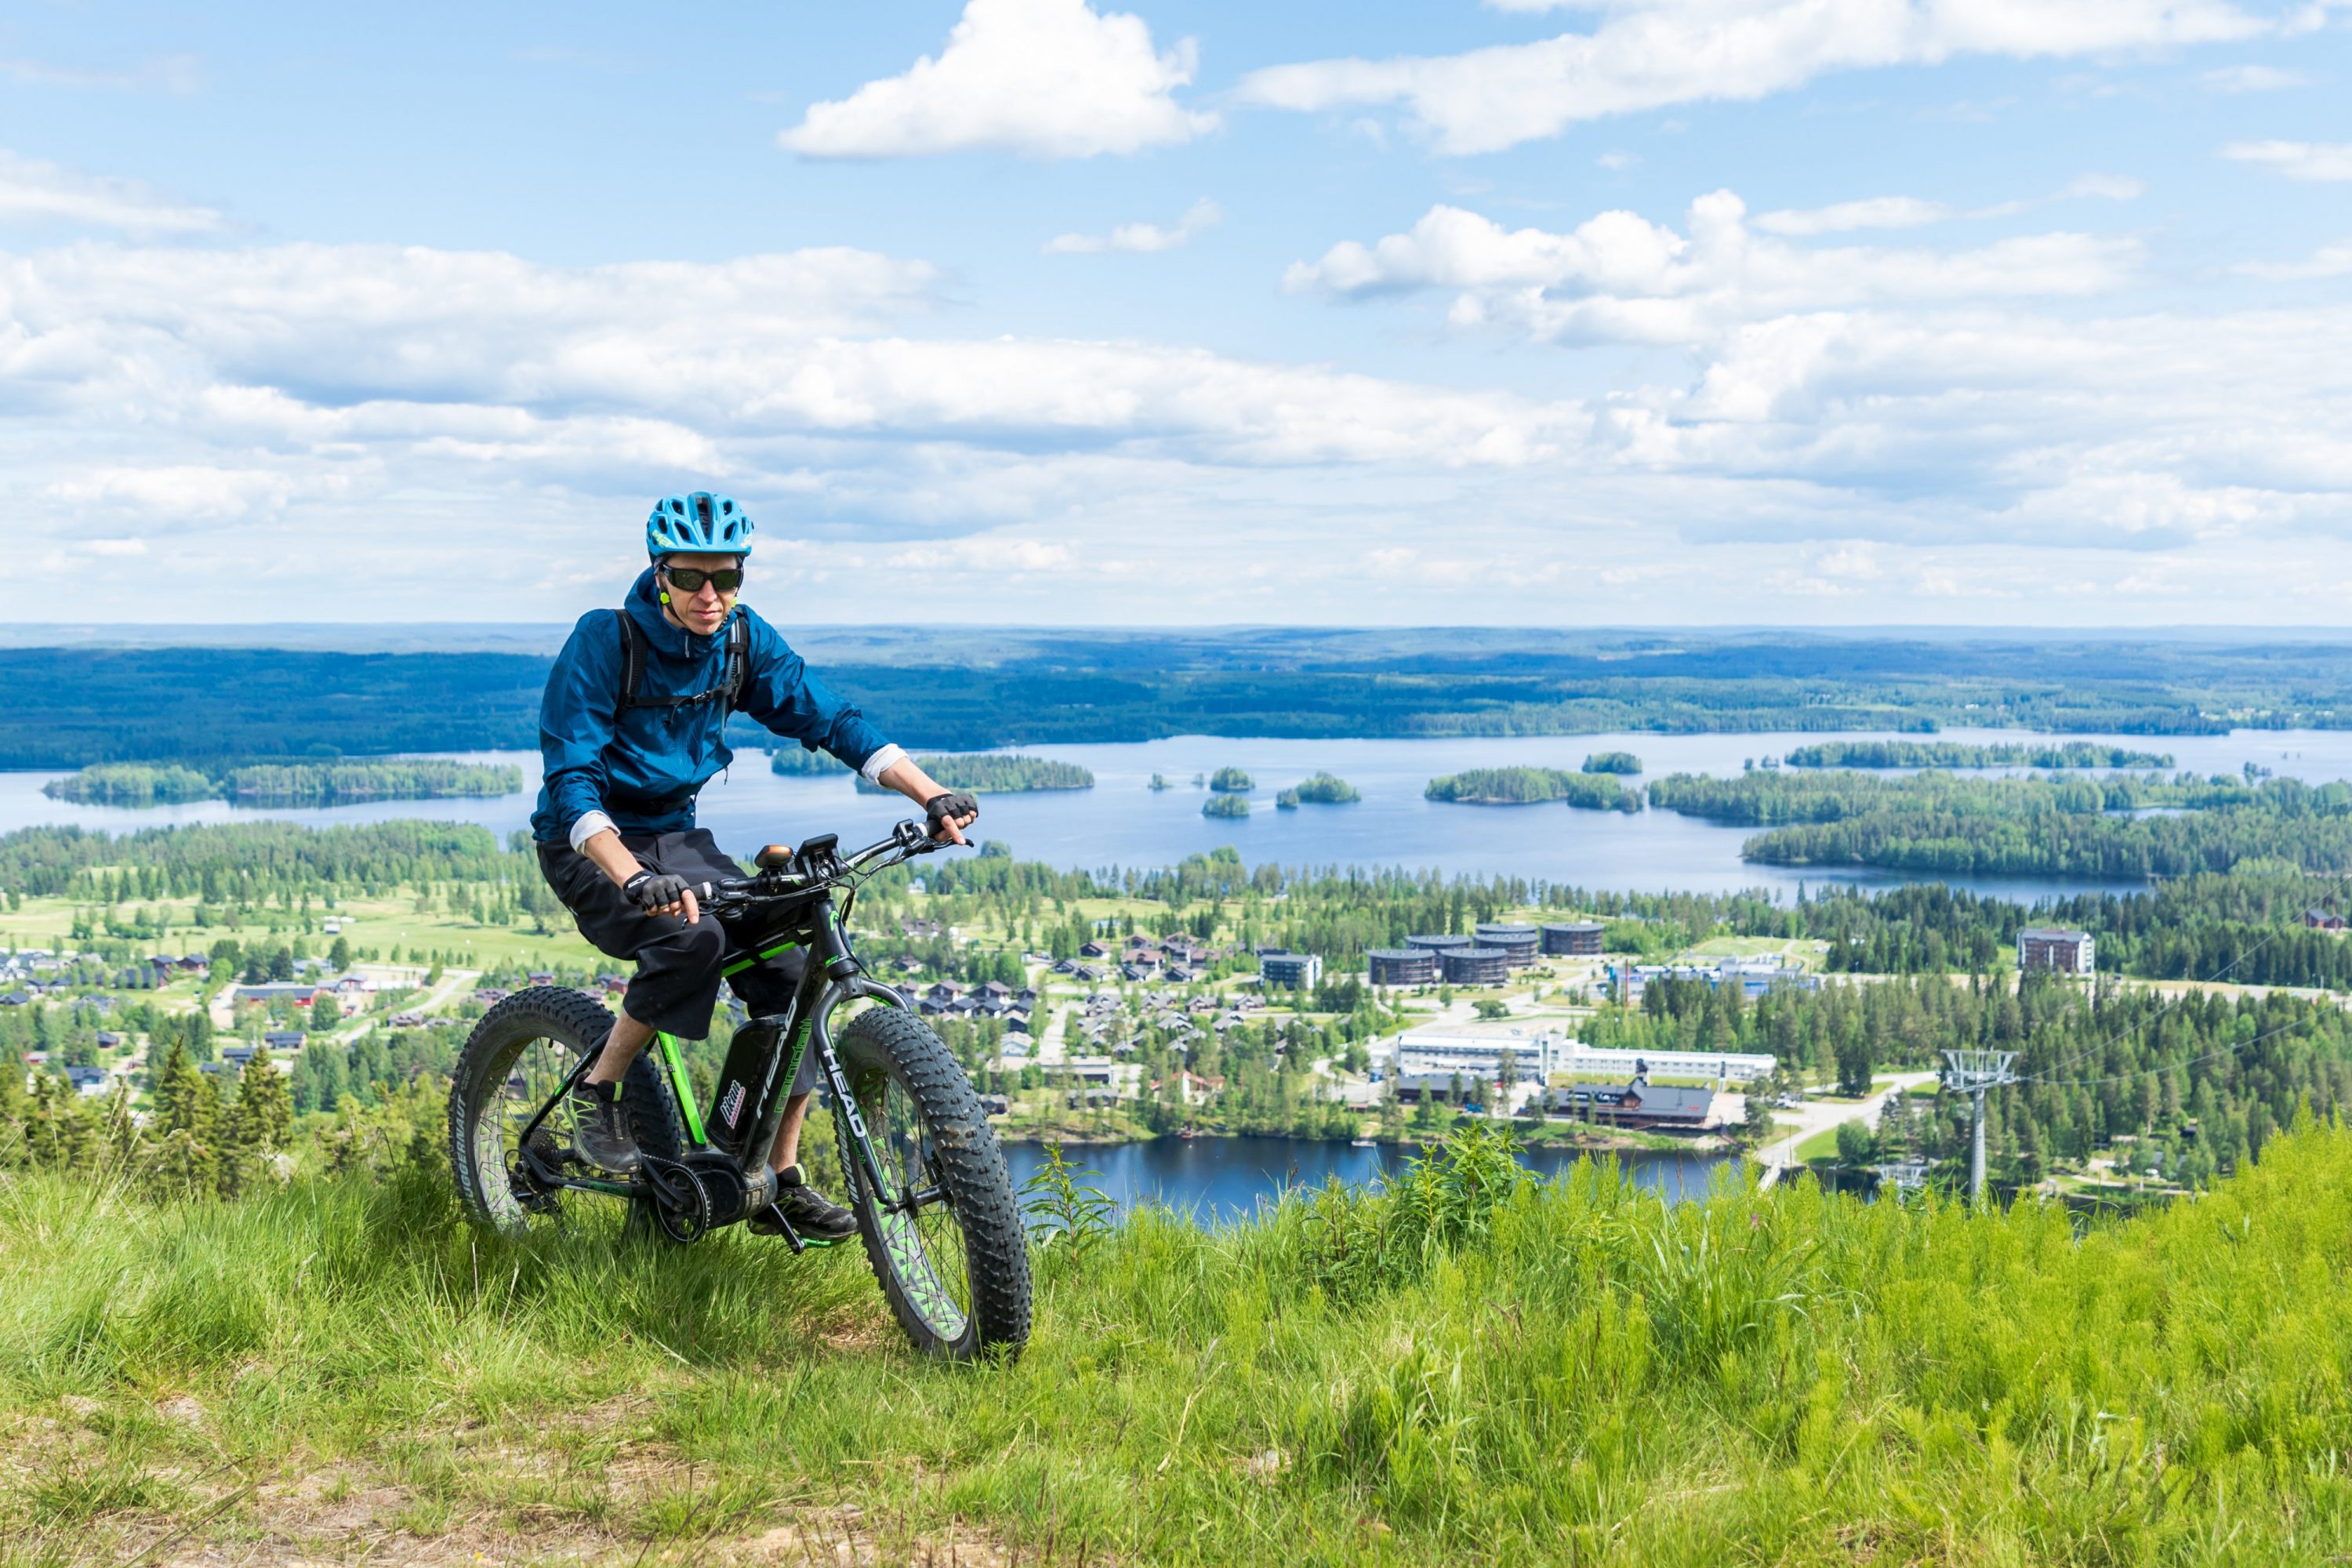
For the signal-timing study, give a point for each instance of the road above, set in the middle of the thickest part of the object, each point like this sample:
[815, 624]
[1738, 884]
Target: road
[1820, 1115]
[454, 982]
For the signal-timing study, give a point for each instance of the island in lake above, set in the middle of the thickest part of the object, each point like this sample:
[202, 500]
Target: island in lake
[993, 773]
[304, 783]
[1226, 806]
[1534, 787]
[1611, 763]
[1323, 789]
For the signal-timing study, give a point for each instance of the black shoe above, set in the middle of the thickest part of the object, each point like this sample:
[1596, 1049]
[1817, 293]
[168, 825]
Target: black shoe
[812, 1215]
[600, 1128]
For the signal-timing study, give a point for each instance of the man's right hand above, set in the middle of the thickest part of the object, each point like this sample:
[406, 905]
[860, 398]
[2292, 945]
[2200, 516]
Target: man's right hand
[662, 894]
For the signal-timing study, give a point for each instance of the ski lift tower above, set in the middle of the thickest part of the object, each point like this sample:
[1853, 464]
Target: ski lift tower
[1971, 1073]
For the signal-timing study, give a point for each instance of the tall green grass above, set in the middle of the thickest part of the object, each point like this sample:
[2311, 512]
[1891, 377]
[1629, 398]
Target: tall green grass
[1466, 1367]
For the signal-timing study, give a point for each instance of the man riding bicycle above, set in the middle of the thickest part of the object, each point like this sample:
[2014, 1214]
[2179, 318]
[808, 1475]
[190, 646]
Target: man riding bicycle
[632, 726]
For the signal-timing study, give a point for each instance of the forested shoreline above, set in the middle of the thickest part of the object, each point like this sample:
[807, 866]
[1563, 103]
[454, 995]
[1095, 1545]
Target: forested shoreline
[98, 704]
[1964, 754]
[303, 784]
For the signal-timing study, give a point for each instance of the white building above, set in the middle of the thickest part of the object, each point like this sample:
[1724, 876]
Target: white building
[1537, 1058]
[1531, 1055]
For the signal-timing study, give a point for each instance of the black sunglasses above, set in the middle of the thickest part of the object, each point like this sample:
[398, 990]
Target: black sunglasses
[688, 579]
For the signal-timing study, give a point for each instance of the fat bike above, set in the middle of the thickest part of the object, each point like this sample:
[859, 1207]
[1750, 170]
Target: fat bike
[920, 1166]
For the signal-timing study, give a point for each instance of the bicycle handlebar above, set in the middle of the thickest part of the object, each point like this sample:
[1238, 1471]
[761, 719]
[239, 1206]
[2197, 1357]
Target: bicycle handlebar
[794, 880]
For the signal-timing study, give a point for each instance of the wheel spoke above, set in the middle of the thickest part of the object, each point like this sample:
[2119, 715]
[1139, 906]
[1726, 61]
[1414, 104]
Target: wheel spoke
[919, 1229]
[538, 1068]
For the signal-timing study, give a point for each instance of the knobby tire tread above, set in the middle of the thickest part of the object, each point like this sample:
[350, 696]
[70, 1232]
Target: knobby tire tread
[581, 1022]
[549, 1012]
[996, 1247]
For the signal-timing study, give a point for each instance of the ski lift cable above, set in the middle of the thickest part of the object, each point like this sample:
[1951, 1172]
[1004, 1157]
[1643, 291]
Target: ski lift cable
[2143, 1073]
[2216, 977]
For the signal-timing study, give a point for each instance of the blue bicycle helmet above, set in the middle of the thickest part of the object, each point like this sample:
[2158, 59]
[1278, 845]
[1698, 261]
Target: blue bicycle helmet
[697, 524]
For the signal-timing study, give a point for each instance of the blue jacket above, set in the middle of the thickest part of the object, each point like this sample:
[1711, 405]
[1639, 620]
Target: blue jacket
[644, 768]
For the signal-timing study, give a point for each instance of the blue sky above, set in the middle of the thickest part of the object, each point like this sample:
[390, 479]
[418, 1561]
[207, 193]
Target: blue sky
[1642, 312]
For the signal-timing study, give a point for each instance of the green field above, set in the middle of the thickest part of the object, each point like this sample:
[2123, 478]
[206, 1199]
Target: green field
[1570, 1374]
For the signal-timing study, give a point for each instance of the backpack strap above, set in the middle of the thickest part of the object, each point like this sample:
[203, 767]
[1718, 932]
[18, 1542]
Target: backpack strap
[739, 664]
[737, 670]
[633, 661]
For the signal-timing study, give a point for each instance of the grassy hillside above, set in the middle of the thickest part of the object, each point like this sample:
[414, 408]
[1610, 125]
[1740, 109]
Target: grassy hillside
[1464, 1372]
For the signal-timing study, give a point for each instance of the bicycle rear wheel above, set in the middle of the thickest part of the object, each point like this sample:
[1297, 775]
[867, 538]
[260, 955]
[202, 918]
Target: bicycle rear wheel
[945, 1240]
[516, 1057]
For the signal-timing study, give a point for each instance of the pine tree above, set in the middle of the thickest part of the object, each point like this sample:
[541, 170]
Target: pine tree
[264, 1118]
[186, 1122]
[120, 1136]
[62, 1133]
[11, 1110]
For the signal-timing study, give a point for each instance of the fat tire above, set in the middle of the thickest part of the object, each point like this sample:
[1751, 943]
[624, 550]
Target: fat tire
[972, 1166]
[576, 1020]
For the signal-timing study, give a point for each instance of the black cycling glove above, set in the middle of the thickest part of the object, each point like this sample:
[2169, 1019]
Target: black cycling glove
[650, 892]
[953, 803]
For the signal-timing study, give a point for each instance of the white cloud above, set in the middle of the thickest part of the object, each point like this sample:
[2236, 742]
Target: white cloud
[1648, 54]
[35, 192]
[2328, 261]
[1871, 212]
[2322, 161]
[1053, 78]
[1862, 420]
[1141, 237]
[175, 74]
[1620, 277]
[2104, 187]
[1618, 161]
[177, 492]
[2252, 79]
[1912, 211]
[466, 359]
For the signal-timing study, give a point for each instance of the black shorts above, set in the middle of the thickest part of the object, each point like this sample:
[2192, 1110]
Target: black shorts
[677, 983]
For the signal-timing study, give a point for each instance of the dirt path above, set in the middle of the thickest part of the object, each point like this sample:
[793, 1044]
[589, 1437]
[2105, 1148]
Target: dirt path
[1820, 1115]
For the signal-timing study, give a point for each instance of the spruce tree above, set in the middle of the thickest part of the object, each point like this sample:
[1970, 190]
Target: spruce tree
[185, 1162]
[263, 1119]
[12, 1109]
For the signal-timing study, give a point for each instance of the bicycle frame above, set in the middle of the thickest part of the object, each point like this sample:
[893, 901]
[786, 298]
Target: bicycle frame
[762, 1066]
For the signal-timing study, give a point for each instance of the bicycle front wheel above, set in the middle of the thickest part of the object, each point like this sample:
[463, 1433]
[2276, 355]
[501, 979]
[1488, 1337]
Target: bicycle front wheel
[945, 1238]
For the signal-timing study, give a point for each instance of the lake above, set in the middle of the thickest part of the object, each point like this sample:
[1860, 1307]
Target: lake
[1222, 1179]
[1123, 823]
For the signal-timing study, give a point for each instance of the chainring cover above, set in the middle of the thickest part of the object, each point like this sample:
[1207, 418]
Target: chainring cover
[681, 1204]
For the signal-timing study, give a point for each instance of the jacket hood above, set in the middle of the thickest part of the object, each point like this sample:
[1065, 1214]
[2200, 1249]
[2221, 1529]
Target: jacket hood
[645, 608]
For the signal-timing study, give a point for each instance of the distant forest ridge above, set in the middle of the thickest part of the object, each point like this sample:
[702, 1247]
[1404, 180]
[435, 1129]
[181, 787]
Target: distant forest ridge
[73, 706]
[1961, 754]
[315, 782]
